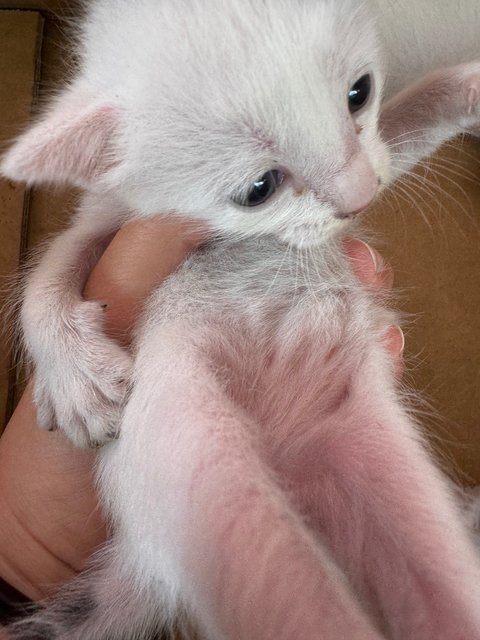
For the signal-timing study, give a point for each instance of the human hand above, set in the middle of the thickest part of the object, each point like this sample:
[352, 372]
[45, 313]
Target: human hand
[49, 518]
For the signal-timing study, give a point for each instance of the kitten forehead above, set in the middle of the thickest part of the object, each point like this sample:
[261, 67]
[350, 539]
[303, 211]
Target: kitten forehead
[170, 41]
[216, 90]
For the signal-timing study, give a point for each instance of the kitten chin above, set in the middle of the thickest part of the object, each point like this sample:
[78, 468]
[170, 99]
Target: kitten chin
[309, 235]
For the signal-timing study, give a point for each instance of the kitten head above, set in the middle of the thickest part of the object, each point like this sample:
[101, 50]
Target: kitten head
[256, 116]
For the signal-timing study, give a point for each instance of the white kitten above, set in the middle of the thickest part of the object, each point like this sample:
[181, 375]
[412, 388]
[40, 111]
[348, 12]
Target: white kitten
[268, 479]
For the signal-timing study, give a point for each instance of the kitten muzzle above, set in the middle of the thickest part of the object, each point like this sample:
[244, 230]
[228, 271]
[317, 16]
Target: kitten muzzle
[355, 187]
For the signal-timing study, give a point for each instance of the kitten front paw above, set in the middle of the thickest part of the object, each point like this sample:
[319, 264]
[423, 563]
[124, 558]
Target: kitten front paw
[84, 388]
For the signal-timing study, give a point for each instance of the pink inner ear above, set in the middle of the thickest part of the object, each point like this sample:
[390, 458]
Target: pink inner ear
[72, 144]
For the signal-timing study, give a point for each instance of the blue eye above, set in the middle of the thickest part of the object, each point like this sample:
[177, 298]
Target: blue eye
[359, 94]
[262, 189]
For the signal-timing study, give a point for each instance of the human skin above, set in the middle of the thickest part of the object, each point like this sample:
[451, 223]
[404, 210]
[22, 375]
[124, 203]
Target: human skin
[50, 521]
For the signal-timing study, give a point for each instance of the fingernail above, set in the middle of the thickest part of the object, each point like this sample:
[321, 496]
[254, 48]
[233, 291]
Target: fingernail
[397, 338]
[377, 262]
[402, 336]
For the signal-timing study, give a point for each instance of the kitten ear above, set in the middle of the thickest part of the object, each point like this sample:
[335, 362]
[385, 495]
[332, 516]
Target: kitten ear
[71, 144]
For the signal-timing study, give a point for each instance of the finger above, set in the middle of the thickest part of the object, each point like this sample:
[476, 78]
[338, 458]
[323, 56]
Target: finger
[370, 267]
[395, 342]
[139, 258]
[367, 264]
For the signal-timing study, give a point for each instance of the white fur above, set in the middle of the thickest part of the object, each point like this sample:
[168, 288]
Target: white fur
[263, 397]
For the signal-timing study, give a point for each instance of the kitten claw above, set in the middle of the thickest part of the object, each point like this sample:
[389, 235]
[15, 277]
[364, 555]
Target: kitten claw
[472, 99]
[470, 90]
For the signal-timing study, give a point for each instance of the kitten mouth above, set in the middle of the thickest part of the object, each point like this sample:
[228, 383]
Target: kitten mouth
[349, 215]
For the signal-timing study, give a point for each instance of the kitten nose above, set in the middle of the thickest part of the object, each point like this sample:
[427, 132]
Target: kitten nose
[355, 187]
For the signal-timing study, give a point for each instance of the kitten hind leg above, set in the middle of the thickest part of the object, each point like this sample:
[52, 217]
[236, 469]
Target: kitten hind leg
[211, 514]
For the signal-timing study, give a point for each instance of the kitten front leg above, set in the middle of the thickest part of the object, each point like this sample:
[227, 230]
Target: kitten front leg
[212, 518]
[422, 117]
[81, 376]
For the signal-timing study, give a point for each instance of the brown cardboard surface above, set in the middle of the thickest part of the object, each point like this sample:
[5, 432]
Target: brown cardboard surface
[53, 7]
[20, 37]
[50, 208]
[430, 231]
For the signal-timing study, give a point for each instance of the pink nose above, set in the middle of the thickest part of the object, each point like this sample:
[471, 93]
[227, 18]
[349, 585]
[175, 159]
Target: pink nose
[354, 187]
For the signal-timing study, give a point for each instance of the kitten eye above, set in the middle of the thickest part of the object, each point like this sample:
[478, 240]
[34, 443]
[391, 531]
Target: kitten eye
[359, 93]
[262, 189]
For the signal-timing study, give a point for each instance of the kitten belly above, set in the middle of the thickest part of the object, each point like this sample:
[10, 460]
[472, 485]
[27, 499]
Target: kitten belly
[306, 385]
[292, 341]
[311, 391]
